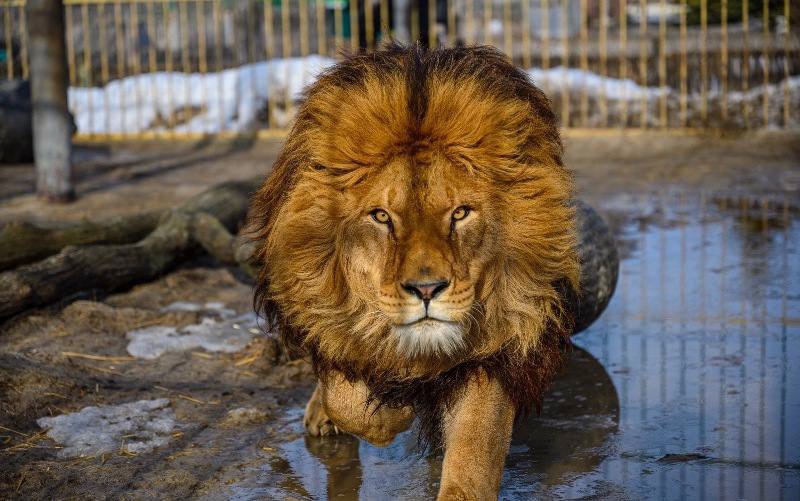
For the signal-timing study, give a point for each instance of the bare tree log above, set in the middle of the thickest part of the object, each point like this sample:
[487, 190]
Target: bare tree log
[214, 237]
[52, 125]
[107, 268]
[23, 243]
[95, 267]
[226, 248]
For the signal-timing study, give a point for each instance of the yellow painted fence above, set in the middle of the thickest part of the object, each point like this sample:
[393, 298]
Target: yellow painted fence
[141, 68]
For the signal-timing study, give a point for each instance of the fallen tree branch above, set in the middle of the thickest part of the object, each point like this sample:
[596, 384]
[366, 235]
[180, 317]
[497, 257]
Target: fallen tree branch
[223, 246]
[212, 215]
[23, 243]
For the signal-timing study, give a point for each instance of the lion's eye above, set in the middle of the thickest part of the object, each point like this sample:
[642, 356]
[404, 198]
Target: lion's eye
[460, 213]
[381, 216]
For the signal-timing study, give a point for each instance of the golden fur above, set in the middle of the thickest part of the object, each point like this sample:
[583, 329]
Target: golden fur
[416, 135]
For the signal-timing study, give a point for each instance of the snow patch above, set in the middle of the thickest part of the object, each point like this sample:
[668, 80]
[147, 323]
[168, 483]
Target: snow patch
[575, 80]
[235, 99]
[194, 102]
[135, 427]
[229, 336]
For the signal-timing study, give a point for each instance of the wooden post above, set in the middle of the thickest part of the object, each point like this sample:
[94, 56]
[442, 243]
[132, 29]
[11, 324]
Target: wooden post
[52, 126]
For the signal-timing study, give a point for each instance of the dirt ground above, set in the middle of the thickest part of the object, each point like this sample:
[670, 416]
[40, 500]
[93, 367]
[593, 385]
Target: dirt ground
[236, 411]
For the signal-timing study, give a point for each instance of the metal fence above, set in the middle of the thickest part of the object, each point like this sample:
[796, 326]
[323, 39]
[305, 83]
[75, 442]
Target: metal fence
[196, 67]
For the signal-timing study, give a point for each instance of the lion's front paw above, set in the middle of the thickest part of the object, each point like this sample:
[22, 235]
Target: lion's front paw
[316, 420]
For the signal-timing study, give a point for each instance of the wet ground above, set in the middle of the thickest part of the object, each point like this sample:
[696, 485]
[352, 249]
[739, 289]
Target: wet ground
[687, 387]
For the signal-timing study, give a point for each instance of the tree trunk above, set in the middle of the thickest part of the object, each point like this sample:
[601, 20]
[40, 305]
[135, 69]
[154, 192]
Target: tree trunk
[52, 127]
[206, 221]
[23, 243]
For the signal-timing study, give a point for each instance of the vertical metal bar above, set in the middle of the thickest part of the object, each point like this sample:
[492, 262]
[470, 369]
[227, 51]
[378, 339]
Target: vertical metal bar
[104, 68]
[136, 64]
[662, 63]
[723, 62]
[451, 22]
[322, 36]
[684, 69]
[765, 61]
[432, 39]
[584, 60]
[564, 63]
[369, 24]
[119, 36]
[545, 33]
[526, 33]
[218, 54]
[23, 41]
[623, 57]
[385, 27]
[603, 42]
[9, 48]
[70, 44]
[643, 43]
[269, 46]
[338, 27]
[200, 16]
[354, 31]
[70, 47]
[286, 30]
[703, 60]
[183, 21]
[303, 6]
[746, 61]
[487, 22]
[786, 12]
[150, 21]
[152, 56]
[168, 63]
[470, 15]
[251, 56]
[87, 62]
[287, 52]
[508, 28]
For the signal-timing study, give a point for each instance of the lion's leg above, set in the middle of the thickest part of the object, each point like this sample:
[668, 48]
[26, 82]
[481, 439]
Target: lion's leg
[346, 404]
[316, 420]
[477, 434]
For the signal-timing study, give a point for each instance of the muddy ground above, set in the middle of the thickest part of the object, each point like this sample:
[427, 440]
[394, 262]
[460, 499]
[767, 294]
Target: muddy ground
[233, 415]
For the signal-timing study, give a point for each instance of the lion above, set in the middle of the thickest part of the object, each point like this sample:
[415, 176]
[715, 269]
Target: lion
[417, 241]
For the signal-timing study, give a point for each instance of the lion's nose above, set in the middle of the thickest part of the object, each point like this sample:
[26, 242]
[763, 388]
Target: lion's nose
[426, 290]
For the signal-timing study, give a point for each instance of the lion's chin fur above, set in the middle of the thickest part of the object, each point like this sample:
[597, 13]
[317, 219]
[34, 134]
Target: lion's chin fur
[428, 337]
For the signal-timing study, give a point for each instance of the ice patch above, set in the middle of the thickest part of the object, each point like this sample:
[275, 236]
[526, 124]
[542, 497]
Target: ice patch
[227, 336]
[213, 307]
[135, 427]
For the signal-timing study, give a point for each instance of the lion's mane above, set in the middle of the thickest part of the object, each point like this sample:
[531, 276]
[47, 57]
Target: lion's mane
[484, 114]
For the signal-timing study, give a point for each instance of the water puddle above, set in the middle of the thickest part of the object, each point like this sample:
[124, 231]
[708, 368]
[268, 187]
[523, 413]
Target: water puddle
[687, 387]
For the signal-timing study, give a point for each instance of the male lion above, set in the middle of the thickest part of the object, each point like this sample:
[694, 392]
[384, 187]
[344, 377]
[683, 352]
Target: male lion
[417, 242]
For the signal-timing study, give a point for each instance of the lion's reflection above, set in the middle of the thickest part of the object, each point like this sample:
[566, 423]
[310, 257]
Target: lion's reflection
[579, 413]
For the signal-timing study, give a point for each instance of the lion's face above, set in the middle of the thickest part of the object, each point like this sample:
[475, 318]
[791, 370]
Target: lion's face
[417, 249]
[418, 213]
